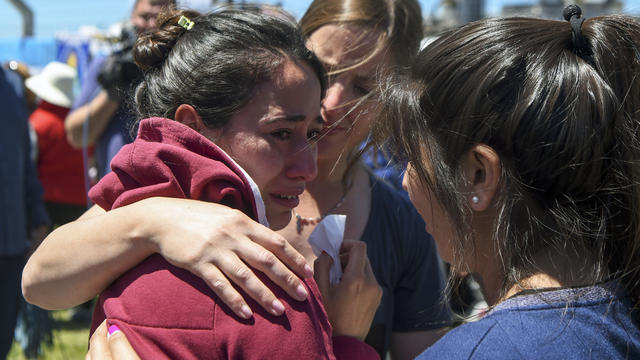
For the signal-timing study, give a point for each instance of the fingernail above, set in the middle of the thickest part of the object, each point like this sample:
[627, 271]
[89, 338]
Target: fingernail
[308, 271]
[246, 312]
[278, 308]
[301, 292]
[112, 330]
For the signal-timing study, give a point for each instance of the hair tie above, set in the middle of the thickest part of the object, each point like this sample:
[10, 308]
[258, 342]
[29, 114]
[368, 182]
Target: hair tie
[185, 22]
[573, 14]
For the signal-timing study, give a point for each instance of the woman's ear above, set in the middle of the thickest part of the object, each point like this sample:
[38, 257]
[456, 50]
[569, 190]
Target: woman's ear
[482, 169]
[187, 115]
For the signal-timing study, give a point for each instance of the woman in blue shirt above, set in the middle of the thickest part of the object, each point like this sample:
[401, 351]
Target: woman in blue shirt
[522, 141]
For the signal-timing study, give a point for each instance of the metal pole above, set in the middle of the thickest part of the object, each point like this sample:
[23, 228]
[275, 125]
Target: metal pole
[27, 17]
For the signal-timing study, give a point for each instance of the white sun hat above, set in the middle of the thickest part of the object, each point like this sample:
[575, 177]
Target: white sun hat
[54, 84]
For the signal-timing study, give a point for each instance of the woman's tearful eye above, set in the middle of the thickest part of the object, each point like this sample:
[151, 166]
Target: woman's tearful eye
[283, 134]
[314, 134]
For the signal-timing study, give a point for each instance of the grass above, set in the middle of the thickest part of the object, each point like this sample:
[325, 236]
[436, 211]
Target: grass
[70, 340]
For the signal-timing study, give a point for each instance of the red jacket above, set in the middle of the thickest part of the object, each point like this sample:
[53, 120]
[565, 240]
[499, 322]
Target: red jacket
[60, 166]
[167, 312]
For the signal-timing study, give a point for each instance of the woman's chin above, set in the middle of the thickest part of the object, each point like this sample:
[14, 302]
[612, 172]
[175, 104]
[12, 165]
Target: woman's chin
[279, 220]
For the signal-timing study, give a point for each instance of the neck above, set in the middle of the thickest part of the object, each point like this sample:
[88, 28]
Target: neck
[330, 172]
[328, 189]
[552, 268]
[557, 268]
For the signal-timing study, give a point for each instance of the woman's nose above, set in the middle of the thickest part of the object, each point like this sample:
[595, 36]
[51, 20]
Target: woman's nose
[303, 163]
[334, 103]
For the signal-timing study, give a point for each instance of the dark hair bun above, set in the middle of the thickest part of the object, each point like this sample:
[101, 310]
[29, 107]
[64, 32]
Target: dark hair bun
[153, 47]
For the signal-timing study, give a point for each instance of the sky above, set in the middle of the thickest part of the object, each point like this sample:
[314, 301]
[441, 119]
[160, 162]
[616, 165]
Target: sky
[69, 15]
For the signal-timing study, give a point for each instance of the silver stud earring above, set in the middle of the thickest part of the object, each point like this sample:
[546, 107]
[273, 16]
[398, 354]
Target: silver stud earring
[475, 199]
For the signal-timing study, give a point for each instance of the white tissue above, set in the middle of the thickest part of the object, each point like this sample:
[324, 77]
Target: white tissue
[327, 237]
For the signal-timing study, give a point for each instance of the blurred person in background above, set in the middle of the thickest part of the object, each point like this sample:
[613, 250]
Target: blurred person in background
[100, 114]
[23, 219]
[33, 325]
[60, 166]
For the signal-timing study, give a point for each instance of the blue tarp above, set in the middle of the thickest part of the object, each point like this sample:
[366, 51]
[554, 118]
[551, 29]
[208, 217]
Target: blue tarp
[33, 51]
[37, 52]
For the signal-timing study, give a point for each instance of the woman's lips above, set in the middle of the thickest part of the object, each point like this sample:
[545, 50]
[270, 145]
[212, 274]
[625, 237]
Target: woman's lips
[290, 201]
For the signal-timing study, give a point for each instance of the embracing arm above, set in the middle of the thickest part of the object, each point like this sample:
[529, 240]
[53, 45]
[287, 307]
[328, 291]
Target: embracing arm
[350, 305]
[78, 260]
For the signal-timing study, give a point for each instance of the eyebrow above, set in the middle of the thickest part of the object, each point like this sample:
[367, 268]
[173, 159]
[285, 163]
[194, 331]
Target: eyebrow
[292, 118]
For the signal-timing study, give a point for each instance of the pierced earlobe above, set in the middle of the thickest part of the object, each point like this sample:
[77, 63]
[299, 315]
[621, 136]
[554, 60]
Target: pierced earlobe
[475, 199]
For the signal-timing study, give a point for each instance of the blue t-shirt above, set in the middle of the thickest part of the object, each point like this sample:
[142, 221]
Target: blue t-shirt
[385, 167]
[577, 323]
[405, 261]
[117, 132]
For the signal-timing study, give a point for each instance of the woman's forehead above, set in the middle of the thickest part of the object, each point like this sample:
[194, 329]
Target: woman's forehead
[293, 94]
[344, 45]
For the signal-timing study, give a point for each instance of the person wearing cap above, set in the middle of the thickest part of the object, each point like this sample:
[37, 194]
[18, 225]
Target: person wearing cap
[60, 166]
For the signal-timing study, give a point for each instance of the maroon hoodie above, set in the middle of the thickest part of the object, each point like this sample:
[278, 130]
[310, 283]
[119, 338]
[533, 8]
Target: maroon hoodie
[167, 312]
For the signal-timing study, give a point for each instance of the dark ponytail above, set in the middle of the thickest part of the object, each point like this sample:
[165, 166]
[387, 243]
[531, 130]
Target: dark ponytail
[559, 105]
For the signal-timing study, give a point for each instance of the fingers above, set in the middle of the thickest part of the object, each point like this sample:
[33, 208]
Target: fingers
[322, 265]
[221, 286]
[267, 252]
[230, 252]
[281, 248]
[265, 261]
[368, 272]
[352, 303]
[98, 345]
[119, 346]
[240, 274]
[357, 251]
[344, 260]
